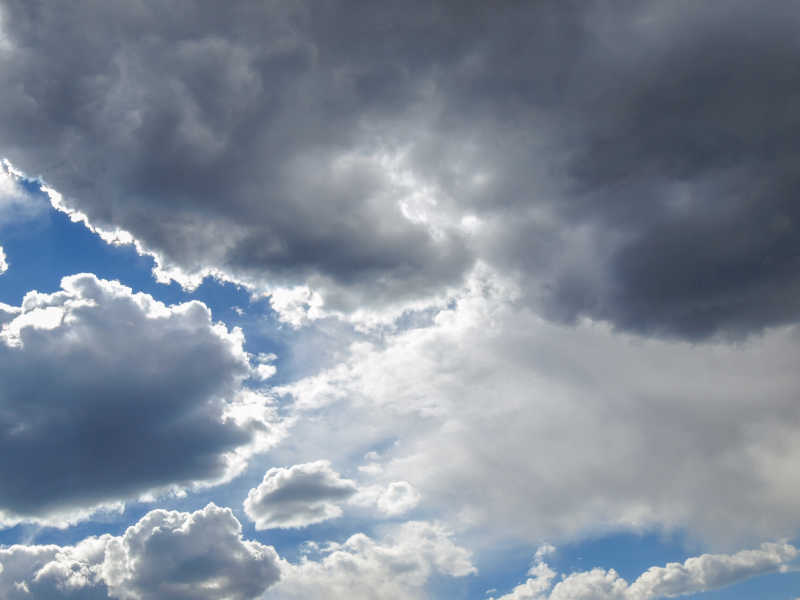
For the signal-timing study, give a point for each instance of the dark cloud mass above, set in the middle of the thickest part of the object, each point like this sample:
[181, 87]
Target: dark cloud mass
[630, 161]
[108, 394]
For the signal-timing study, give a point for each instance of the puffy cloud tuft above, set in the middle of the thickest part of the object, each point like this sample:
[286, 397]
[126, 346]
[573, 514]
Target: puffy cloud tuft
[298, 496]
[397, 566]
[694, 576]
[108, 395]
[167, 555]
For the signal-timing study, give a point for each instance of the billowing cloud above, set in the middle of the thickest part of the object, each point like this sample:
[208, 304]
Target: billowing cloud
[397, 566]
[629, 162]
[395, 498]
[696, 575]
[298, 496]
[201, 555]
[170, 555]
[167, 555]
[515, 426]
[108, 395]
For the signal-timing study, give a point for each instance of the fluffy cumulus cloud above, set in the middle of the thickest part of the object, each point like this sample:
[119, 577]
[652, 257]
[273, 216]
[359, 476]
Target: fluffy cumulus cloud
[396, 567]
[167, 555]
[695, 575]
[108, 395]
[3, 261]
[172, 555]
[313, 492]
[201, 555]
[628, 162]
[298, 496]
[517, 426]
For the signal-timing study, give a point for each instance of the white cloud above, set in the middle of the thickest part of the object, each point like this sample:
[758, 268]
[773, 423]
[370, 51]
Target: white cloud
[3, 261]
[170, 555]
[549, 430]
[392, 499]
[396, 567]
[711, 571]
[17, 203]
[695, 575]
[166, 555]
[110, 395]
[298, 496]
[177, 555]
[313, 492]
[398, 497]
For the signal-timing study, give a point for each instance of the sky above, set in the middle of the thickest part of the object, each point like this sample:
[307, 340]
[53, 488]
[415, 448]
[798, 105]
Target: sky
[399, 300]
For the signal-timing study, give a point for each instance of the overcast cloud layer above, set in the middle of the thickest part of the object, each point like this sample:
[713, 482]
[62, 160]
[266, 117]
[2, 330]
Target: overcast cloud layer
[633, 164]
[531, 269]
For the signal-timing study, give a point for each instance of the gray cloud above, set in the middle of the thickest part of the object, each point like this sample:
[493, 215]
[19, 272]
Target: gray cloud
[109, 394]
[629, 162]
[298, 496]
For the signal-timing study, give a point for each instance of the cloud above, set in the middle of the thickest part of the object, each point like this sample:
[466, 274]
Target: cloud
[16, 202]
[629, 163]
[696, 575]
[166, 555]
[3, 261]
[398, 498]
[179, 555]
[109, 395]
[550, 431]
[240, 109]
[397, 566]
[169, 555]
[298, 496]
[395, 498]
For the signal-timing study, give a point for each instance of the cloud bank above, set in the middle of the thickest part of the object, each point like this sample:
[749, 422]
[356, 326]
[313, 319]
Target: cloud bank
[169, 555]
[628, 163]
[516, 426]
[694, 576]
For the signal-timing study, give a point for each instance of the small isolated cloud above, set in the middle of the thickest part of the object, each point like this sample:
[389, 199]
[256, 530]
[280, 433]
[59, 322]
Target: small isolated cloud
[695, 575]
[167, 555]
[3, 261]
[108, 395]
[298, 496]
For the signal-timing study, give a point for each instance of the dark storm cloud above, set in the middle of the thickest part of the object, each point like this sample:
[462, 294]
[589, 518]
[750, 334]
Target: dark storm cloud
[631, 161]
[108, 394]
